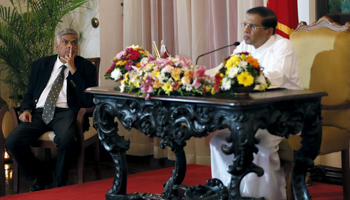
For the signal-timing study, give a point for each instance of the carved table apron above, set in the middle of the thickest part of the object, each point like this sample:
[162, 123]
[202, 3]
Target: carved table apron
[176, 119]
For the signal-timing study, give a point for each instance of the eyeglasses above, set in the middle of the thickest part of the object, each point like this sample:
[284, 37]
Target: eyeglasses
[252, 27]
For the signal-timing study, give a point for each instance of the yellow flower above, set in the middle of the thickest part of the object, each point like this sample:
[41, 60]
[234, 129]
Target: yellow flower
[155, 73]
[243, 56]
[145, 76]
[262, 87]
[233, 61]
[156, 83]
[126, 75]
[144, 52]
[135, 47]
[137, 84]
[123, 81]
[213, 91]
[167, 88]
[119, 62]
[245, 79]
[176, 73]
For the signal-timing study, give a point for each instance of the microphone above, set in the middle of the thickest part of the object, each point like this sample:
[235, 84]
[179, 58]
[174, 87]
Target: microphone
[234, 44]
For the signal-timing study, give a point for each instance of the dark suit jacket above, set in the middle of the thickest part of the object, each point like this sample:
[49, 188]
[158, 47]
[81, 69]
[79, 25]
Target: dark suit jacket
[83, 78]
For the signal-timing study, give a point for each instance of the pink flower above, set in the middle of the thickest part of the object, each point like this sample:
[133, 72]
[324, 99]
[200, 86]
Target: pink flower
[182, 62]
[120, 54]
[146, 87]
[168, 68]
[199, 72]
[198, 76]
[148, 96]
[196, 82]
[128, 65]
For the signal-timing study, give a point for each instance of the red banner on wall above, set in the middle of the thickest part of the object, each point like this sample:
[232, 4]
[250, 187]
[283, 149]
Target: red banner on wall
[287, 15]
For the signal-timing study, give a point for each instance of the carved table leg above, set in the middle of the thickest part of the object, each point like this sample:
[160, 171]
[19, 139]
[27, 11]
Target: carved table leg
[243, 146]
[116, 145]
[178, 174]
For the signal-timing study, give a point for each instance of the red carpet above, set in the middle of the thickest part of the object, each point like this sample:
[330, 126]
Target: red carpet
[151, 182]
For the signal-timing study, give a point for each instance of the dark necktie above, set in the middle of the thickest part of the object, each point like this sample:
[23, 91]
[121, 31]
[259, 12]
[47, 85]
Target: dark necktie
[50, 103]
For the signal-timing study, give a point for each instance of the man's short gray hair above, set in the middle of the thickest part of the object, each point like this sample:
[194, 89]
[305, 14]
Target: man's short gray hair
[65, 31]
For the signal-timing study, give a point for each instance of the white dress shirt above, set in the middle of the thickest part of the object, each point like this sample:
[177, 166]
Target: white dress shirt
[62, 97]
[279, 60]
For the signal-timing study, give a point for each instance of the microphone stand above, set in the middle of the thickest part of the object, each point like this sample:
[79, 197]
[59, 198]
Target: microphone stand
[234, 44]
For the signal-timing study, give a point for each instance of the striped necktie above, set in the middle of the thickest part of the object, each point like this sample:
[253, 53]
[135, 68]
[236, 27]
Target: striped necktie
[50, 103]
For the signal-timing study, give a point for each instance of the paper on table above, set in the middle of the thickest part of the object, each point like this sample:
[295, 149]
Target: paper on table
[269, 88]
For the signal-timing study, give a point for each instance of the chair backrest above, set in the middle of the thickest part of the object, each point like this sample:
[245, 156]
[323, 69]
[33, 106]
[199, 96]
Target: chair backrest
[96, 61]
[323, 50]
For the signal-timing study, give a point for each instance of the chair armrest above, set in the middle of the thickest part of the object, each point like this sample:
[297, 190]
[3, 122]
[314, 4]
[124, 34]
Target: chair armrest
[3, 111]
[13, 111]
[341, 106]
[14, 115]
[83, 114]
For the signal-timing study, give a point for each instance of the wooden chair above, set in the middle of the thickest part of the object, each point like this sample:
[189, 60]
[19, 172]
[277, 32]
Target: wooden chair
[84, 139]
[323, 50]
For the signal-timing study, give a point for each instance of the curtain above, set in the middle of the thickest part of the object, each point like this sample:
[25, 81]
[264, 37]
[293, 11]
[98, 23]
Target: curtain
[189, 28]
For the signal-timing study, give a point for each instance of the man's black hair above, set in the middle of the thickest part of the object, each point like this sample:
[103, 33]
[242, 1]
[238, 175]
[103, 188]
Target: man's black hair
[269, 17]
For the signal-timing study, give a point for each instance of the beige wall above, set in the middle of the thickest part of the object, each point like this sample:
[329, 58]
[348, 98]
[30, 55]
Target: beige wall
[111, 27]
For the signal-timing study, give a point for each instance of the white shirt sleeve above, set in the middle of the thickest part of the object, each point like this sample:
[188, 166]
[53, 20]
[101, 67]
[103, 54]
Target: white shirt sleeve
[283, 66]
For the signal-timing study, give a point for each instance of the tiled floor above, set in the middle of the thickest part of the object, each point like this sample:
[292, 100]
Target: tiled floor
[136, 164]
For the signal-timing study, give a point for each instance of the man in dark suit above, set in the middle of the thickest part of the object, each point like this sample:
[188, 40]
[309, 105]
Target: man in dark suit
[77, 74]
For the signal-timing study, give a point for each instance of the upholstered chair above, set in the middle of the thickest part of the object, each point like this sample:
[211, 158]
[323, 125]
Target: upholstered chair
[323, 50]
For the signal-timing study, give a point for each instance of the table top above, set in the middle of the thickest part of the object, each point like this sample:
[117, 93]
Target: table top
[225, 99]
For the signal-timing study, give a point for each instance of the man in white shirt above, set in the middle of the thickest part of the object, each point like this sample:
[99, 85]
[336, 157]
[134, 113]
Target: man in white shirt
[278, 58]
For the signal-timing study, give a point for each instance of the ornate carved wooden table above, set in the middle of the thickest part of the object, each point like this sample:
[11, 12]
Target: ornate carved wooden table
[176, 119]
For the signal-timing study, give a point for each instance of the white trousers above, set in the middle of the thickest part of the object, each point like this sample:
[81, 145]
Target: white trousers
[272, 185]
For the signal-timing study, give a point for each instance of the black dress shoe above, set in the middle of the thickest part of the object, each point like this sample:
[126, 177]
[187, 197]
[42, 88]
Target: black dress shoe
[41, 182]
[37, 187]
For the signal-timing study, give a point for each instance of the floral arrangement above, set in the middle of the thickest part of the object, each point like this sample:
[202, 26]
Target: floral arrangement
[147, 75]
[137, 71]
[125, 61]
[241, 70]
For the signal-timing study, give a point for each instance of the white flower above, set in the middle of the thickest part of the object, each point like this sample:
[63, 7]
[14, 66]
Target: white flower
[144, 61]
[134, 46]
[171, 81]
[243, 64]
[116, 74]
[226, 83]
[161, 78]
[232, 71]
[189, 88]
[137, 70]
[147, 68]
[261, 79]
[122, 87]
